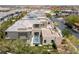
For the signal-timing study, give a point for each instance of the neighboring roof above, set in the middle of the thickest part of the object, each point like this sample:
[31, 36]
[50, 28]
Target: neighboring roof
[4, 8]
[36, 13]
[70, 11]
[3, 14]
[23, 25]
[67, 10]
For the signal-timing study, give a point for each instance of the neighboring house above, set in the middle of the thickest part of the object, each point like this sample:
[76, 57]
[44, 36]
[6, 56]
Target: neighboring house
[36, 31]
[68, 12]
[4, 16]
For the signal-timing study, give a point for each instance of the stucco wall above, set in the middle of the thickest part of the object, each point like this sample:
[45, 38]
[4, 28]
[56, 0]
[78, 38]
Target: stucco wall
[12, 35]
[48, 41]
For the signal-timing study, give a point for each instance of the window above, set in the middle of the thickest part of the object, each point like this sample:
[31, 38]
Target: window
[30, 32]
[29, 27]
[36, 33]
[5, 33]
[44, 41]
[48, 22]
[36, 25]
[43, 24]
[23, 34]
[52, 41]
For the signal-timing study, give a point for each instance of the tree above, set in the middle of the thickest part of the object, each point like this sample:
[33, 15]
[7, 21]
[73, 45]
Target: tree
[66, 32]
[48, 15]
[56, 11]
[72, 19]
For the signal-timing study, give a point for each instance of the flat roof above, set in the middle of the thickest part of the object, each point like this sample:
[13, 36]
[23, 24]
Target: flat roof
[47, 33]
[26, 22]
[36, 13]
[23, 25]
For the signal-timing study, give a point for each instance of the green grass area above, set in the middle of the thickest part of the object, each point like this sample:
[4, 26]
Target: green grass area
[74, 40]
[72, 19]
[71, 37]
[19, 46]
[48, 15]
[68, 48]
[56, 23]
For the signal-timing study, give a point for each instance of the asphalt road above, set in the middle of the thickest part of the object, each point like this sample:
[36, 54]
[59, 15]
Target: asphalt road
[62, 26]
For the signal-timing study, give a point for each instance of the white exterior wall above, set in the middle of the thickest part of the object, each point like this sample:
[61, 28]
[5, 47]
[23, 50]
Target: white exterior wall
[48, 41]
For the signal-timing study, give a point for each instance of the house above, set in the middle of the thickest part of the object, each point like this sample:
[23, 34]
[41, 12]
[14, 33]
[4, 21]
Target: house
[69, 12]
[36, 31]
[4, 16]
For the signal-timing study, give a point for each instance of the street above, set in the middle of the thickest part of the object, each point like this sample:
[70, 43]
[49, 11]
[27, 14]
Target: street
[62, 26]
